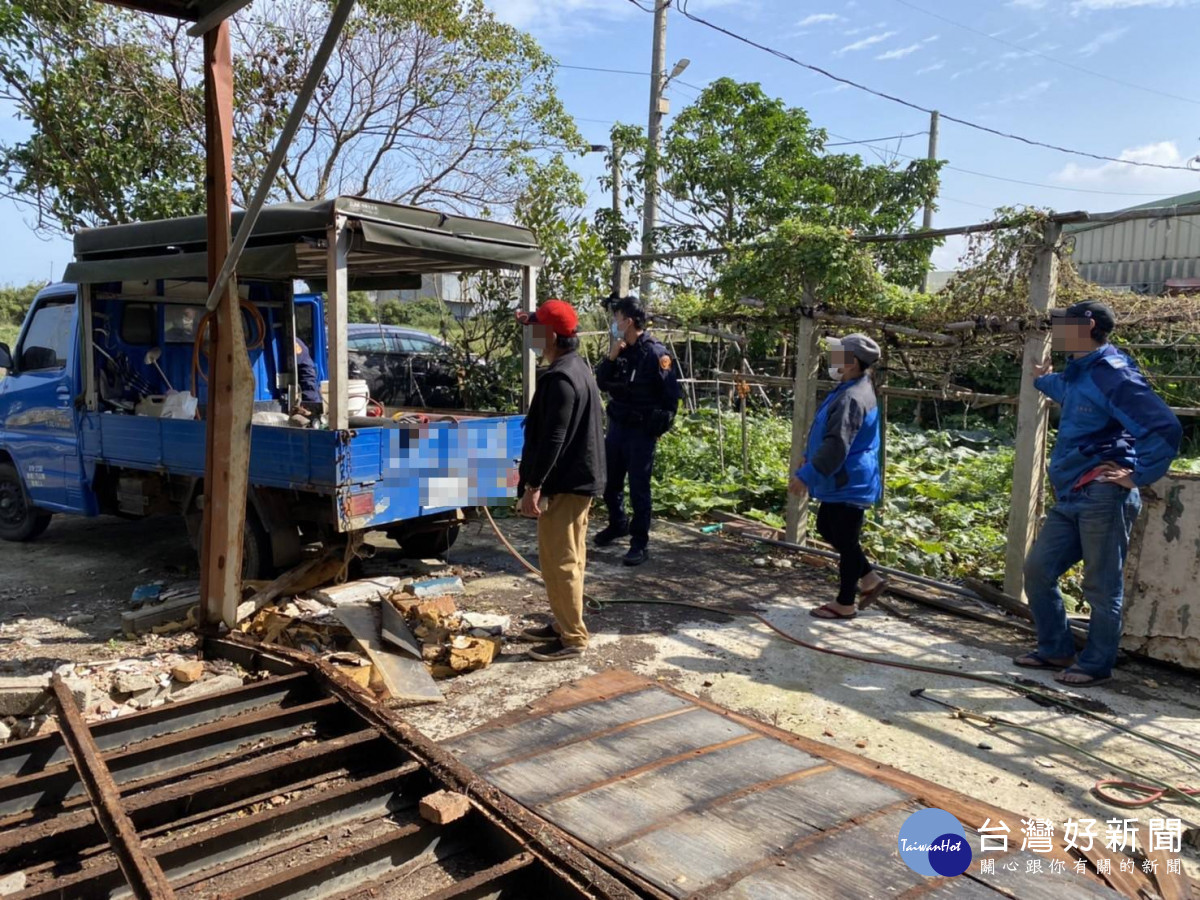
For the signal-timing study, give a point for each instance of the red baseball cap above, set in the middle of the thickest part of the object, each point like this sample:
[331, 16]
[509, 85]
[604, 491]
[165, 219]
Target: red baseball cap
[557, 315]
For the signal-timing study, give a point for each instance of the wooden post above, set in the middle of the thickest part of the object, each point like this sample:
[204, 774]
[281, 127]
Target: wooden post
[336, 295]
[804, 410]
[1030, 461]
[230, 380]
[882, 384]
[621, 274]
[528, 356]
[743, 394]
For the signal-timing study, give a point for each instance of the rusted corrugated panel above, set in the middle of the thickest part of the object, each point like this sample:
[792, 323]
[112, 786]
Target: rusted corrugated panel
[1163, 572]
[685, 799]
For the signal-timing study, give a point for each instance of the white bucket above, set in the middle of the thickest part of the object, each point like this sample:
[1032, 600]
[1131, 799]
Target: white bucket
[358, 393]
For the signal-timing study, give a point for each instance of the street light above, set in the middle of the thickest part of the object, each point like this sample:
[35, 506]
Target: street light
[678, 70]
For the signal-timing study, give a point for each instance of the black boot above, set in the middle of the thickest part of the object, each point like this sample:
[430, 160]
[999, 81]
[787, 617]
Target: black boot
[611, 533]
[636, 556]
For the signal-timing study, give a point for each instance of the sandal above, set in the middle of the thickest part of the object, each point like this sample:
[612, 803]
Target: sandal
[828, 611]
[869, 597]
[1035, 660]
[1092, 680]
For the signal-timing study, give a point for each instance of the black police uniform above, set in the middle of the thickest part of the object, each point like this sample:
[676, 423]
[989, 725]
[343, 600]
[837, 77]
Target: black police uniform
[643, 386]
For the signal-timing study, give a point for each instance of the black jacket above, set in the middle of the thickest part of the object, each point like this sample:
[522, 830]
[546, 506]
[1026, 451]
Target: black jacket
[564, 432]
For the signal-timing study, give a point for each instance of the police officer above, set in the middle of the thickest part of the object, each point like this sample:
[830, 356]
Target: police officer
[643, 388]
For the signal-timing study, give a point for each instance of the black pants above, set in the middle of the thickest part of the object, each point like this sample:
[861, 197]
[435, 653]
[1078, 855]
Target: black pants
[629, 452]
[841, 525]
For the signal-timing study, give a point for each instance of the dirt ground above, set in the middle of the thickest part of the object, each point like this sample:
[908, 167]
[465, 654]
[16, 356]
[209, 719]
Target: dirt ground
[88, 568]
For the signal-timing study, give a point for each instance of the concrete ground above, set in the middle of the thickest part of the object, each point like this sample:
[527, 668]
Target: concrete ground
[82, 567]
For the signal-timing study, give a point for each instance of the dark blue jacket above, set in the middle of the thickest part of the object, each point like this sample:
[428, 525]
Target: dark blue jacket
[306, 369]
[1109, 414]
[842, 459]
[642, 383]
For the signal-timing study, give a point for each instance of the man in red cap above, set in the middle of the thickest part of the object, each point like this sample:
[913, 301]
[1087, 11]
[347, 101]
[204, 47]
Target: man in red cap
[562, 470]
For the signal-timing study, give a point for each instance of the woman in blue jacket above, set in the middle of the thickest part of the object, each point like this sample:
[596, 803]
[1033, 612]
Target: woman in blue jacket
[841, 470]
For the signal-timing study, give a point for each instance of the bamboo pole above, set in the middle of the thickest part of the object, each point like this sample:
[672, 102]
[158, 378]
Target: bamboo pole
[804, 408]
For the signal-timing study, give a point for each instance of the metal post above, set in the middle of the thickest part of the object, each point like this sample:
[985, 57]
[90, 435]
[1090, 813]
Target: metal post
[804, 408]
[528, 356]
[622, 269]
[230, 379]
[91, 398]
[1029, 463]
[336, 294]
[927, 218]
[654, 142]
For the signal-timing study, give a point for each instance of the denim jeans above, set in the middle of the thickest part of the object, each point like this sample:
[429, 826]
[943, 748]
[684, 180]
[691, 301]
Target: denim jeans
[1094, 525]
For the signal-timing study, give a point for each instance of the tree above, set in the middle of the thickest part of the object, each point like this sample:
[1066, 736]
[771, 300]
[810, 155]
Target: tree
[430, 103]
[736, 163]
[109, 139]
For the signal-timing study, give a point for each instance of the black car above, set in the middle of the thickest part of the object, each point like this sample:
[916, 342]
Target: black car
[404, 367]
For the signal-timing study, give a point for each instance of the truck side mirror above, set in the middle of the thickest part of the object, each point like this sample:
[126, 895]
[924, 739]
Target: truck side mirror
[6, 360]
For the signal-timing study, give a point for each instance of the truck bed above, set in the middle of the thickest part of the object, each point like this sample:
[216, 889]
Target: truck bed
[376, 475]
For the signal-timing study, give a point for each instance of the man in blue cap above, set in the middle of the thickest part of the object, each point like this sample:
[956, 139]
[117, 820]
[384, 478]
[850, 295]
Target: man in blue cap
[1115, 436]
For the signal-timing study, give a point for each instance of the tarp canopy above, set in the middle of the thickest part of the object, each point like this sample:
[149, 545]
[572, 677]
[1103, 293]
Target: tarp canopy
[390, 244]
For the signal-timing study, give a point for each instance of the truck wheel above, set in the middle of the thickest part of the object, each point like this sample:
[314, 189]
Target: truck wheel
[19, 519]
[257, 561]
[429, 544]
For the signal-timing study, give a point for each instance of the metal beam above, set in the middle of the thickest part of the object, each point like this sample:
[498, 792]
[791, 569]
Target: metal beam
[528, 356]
[338, 411]
[266, 184]
[142, 872]
[216, 16]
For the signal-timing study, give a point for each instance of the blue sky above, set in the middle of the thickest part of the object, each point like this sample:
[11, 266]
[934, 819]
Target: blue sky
[1017, 70]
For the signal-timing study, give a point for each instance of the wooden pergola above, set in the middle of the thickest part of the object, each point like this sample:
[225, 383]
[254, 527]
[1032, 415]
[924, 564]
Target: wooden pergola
[231, 382]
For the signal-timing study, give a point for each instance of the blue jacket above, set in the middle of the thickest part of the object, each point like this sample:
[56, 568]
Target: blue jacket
[842, 459]
[1109, 414]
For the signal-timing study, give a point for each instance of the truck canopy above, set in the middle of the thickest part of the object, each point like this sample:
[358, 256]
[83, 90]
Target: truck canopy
[391, 246]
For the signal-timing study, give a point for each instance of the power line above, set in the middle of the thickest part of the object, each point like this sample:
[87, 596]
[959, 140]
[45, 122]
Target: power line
[1053, 59]
[1052, 187]
[694, 87]
[908, 103]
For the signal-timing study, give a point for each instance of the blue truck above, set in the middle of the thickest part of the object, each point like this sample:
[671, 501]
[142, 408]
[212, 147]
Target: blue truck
[84, 429]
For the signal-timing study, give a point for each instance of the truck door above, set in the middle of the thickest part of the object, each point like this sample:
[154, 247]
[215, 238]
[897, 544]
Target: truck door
[37, 404]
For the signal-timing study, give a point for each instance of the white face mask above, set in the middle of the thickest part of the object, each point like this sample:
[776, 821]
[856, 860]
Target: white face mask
[615, 331]
[835, 372]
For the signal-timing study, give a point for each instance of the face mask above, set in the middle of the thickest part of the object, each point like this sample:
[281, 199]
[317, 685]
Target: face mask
[614, 331]
[835, 372]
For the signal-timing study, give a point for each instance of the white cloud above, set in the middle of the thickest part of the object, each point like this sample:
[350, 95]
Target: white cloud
[1082, 6]
[933, 68]
[1136, 179]
[1028, 4]
[836, 89]
[900, 52]
[867, 42]
[561, 18]
[818, 19]
[850, 32]
[932, 38]
[1102, 40]
[1035, 90]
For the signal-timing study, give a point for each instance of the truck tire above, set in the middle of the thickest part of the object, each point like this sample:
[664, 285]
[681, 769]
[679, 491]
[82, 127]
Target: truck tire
[258, 563]
[429, 544]
[20, 520]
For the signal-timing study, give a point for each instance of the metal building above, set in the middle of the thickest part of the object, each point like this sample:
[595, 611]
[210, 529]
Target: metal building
[1148, 256]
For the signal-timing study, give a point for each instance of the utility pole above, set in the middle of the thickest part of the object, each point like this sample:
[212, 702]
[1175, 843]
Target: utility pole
[927, 220]
[654, 136]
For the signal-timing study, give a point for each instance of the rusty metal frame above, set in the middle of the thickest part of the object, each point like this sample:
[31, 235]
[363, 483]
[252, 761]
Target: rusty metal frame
[141, 869]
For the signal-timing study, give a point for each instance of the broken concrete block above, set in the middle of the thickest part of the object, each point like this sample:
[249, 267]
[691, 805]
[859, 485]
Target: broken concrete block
[432, 613]
[12, 884]
[484, 624]
[441, 670]
[365, 590]
[20, 696]
[430, 652]
[5, 731]
[360, 675]
[188, 672]
[435, 587]
[133, 682]
[204, 688]
[468, 654]
[80, 619]
[444, 807]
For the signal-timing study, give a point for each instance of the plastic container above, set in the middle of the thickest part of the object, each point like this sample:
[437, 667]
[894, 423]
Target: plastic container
[358, 393]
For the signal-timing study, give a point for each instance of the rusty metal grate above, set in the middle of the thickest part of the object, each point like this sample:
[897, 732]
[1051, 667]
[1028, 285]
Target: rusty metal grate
[292, 786]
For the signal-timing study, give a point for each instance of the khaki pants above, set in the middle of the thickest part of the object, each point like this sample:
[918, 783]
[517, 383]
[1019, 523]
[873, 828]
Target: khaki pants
[562, 553]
